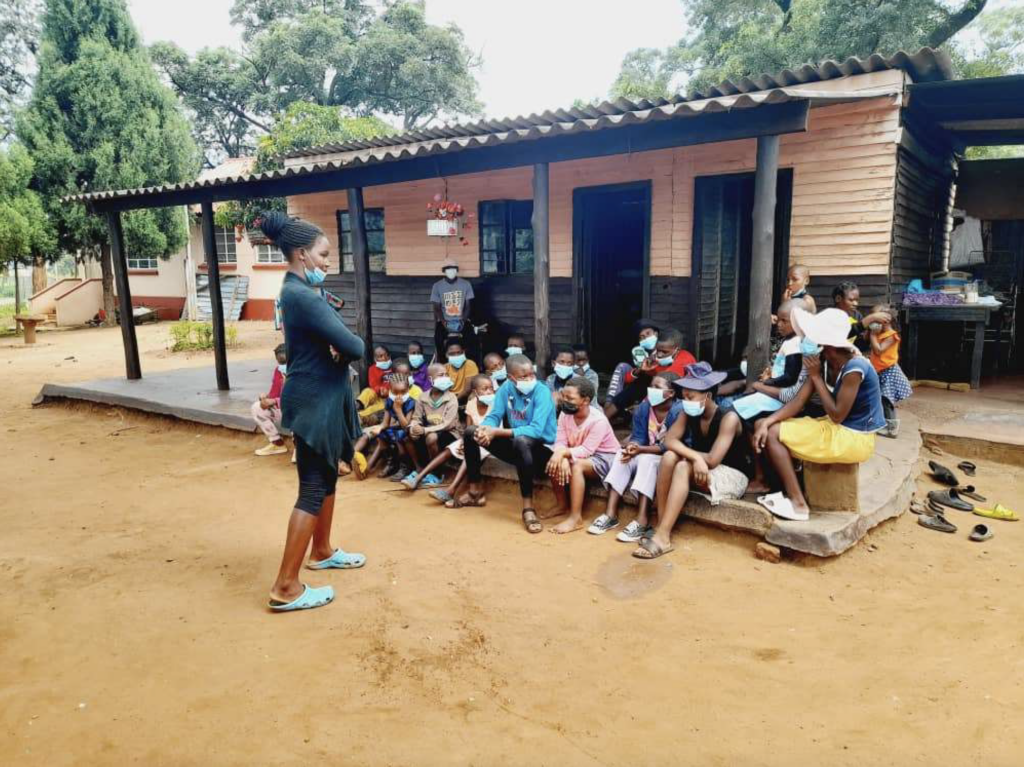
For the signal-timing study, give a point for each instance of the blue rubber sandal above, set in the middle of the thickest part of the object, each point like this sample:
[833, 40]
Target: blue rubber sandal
[307, 600]
[441, 495]
[339, 560]
[431, 480]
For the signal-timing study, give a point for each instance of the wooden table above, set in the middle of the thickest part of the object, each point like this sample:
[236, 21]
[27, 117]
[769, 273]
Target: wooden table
[972, 313]
[28, 324]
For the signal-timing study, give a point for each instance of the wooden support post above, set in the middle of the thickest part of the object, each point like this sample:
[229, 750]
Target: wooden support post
[124, 297]
[361, 273]
[763, 256]
[220, 350]
[17, 290]
[541, 268]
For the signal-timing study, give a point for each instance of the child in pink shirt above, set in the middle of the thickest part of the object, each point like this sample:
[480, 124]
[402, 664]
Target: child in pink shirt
[584, 448]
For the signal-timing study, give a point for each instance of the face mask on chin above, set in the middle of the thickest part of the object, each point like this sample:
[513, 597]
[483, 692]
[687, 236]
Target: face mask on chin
[649, 343]
[316, 276]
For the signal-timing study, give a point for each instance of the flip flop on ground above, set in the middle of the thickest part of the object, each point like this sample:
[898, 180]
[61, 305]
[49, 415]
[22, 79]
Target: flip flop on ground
[936, 522]
[467, 499]
[441, 495]
[950, 498]
[998, 512]
[967, 468]
[651, 549]
[980, 533]
[307, 600]
[942, 474]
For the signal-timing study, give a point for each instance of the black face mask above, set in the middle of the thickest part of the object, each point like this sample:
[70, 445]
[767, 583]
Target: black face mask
[570, 407]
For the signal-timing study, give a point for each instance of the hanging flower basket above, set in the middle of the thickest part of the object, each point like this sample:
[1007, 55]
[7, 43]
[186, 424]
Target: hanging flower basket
[447, 219]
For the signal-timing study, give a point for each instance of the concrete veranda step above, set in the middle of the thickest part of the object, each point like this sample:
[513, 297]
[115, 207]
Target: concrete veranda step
[885, 487]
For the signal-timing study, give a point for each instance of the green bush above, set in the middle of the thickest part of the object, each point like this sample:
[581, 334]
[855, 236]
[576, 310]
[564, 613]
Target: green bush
[198, 336]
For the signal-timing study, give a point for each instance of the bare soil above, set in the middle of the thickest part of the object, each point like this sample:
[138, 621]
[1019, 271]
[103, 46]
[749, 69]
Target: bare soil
[137, 554]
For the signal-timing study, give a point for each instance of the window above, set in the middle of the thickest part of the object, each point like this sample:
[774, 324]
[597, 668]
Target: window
[142, 263]
[506, 237]
[225, 239]
[373, 220]
[269, 254]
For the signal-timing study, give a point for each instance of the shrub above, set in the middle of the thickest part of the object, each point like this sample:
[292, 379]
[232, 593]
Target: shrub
[198, 336]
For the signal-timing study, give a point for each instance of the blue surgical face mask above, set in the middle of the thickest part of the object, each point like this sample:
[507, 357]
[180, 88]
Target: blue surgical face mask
[743, 367]
[808, 348]
[499, 375]
[875, 327]
[451, 274]
[514, 350]
[416, 360]
[584, 368]
[693, 408]
[649, 343]
[383, 364]
[282, 369]
[443, 383]
[665, 361]
[316, 277]
[457, 360]
[563, 371]
[656, 396]
[487, 399]
[526, 387]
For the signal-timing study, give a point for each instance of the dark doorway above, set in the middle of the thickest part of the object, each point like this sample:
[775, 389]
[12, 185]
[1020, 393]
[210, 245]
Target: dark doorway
[722, 240]
[611, 234]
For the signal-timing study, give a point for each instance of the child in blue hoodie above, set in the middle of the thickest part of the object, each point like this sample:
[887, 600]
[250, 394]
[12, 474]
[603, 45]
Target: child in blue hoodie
[518, 430]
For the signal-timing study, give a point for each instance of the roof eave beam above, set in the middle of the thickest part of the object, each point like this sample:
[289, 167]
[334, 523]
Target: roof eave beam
[732, 125]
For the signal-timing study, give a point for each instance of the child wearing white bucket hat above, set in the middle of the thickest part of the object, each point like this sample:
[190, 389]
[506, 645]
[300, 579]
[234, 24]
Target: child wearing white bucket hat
[853, 407]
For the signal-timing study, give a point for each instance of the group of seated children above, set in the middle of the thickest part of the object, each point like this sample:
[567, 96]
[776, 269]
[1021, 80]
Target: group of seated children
[694, 429]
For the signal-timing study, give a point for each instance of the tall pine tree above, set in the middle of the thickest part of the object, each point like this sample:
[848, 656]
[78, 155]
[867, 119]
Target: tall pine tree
[99, 118]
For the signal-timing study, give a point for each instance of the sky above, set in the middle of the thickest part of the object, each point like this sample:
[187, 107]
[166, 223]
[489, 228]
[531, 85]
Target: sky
[537, 54]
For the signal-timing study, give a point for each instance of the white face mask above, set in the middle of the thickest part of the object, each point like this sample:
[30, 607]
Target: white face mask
[743, 367]
[451, 274]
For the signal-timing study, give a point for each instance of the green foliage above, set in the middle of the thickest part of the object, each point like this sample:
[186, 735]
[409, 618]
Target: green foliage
[24, 228]
[336, 53]
[189, 336]
[301, 125]
[19, 40]
[99, 118]
[732, 39]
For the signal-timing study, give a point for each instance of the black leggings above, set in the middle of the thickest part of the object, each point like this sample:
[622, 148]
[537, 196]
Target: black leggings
[528, 455]
[317, 478]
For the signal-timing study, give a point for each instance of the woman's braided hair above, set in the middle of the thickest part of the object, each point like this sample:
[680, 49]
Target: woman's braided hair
[289, 234]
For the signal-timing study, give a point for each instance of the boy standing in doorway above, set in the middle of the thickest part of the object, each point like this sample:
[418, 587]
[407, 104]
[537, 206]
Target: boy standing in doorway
[451, 299]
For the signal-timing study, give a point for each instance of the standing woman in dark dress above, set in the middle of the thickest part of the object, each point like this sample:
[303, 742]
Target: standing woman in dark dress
[317, 405]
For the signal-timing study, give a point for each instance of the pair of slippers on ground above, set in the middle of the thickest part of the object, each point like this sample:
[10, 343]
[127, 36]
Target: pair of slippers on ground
[779, 505]
[933, 515]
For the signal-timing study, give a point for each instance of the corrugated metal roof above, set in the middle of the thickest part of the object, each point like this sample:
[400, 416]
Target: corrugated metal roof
[520, 130]
[924, 66]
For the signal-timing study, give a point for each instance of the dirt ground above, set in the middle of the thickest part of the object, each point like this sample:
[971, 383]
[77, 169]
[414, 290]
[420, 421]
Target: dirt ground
[137, 555]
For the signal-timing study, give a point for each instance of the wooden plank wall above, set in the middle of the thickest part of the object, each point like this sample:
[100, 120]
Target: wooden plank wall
[401, 310]
[922, 194]
[844, 179]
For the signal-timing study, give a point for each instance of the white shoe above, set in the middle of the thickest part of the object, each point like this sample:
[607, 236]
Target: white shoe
[271, 449]
[779, 505]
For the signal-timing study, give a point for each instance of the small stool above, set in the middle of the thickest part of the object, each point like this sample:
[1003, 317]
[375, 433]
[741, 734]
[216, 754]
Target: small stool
[28, 324]
[831, 486]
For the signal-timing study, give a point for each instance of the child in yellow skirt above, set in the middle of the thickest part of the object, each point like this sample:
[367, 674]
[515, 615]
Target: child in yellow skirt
[852, 403]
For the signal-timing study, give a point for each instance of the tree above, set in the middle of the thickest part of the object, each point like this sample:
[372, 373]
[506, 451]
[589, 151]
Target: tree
[99, 118]
[732, 39]
[25, 231]
[300, 126]
[19, 40]
[337, 53]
